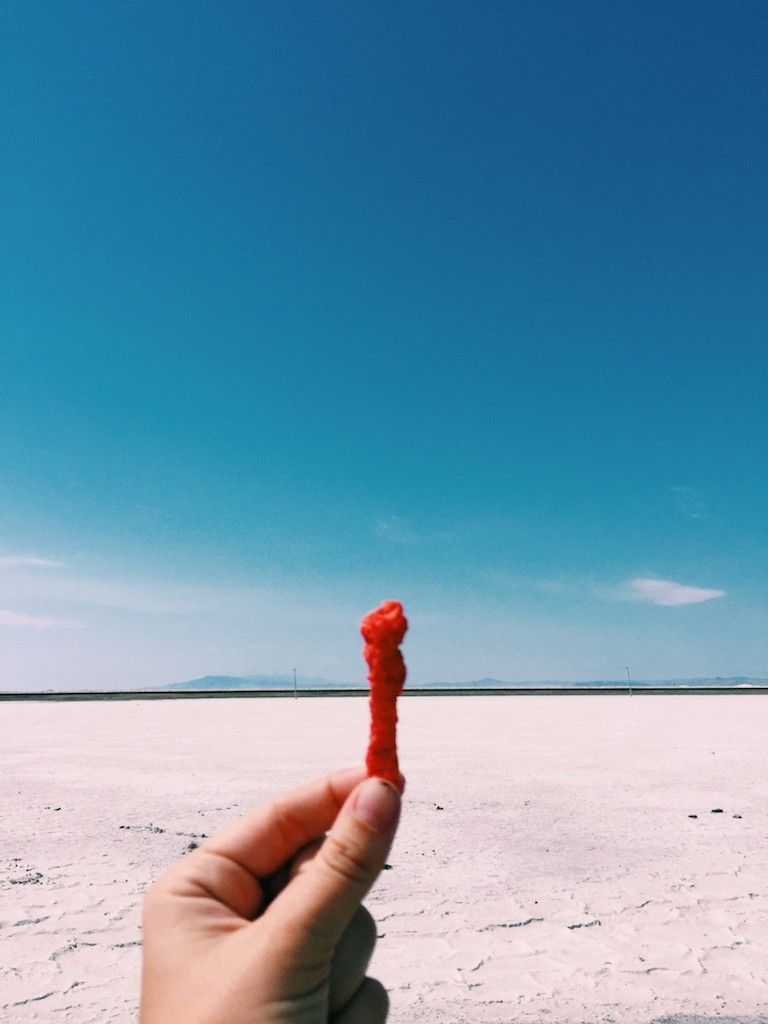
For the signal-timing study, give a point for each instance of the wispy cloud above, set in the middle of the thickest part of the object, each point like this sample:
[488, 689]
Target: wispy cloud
[399, 531]
[28, 562]
[17, 620]
[143, 597]
[557, 587]
[667, 592]
[689, 502]
[147, 597]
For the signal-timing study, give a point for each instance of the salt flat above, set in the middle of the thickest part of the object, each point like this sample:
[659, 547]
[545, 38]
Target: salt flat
[546, 869]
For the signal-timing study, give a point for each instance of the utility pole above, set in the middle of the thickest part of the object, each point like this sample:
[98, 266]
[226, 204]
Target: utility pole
[295, 687]
[629, 681]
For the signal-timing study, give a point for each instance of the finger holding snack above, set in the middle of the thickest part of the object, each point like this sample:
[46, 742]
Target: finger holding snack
[263, 923]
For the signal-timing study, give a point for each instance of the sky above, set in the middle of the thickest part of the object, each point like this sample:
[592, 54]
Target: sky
[305, 306]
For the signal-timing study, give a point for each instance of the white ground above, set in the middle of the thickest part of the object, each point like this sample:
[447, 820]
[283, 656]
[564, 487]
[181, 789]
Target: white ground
[546, 867]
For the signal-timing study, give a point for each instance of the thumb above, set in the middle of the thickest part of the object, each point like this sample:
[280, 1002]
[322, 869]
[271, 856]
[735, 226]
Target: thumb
[311, 913]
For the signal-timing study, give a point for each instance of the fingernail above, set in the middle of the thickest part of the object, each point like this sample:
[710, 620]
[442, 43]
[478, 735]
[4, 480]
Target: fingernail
[377, 803]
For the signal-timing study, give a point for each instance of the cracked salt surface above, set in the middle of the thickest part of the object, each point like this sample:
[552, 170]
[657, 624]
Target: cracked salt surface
[561, 880]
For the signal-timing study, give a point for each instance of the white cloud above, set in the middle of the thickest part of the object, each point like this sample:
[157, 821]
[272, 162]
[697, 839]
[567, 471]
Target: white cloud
[668, 592]
[28, 562]
[397, 530]
[17, 620]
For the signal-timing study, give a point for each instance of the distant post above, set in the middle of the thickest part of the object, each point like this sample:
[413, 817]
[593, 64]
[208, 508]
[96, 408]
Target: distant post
[295, 687]
[629, 681]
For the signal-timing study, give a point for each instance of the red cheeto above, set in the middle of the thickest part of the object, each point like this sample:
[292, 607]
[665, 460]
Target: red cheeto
[383, 630]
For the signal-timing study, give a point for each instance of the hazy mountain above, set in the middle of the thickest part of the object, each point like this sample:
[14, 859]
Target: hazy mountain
[490, 684]
[276, 682]
[285, 682]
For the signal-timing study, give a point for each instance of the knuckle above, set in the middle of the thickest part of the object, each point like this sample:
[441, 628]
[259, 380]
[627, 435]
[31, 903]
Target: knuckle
[285, 822]
[345, 858]
[153, 899]
[304, 857]
[162, 891]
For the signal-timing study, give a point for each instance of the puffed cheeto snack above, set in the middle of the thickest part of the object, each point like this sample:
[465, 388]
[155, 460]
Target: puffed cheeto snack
[383, 630]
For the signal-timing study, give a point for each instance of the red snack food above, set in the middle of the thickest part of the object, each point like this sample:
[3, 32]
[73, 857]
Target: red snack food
[383, 630]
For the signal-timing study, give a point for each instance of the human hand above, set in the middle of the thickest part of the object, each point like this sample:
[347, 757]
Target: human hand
[262, 924]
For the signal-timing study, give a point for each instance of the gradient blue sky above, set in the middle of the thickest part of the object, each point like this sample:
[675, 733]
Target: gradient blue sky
[307, 305]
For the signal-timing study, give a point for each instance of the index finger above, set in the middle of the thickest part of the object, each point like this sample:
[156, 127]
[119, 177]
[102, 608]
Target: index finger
[265, 839]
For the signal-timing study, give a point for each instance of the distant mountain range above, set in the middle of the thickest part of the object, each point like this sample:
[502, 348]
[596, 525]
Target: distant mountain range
[276, 682]
[285, 682]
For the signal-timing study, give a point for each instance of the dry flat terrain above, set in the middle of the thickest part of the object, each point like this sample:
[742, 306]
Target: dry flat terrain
[548, 865]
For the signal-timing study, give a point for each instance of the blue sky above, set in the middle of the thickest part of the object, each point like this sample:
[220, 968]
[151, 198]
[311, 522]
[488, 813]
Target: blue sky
[303, 306]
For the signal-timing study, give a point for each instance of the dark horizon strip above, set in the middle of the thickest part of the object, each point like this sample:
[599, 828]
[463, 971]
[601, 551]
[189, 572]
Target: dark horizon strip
[499, 691]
